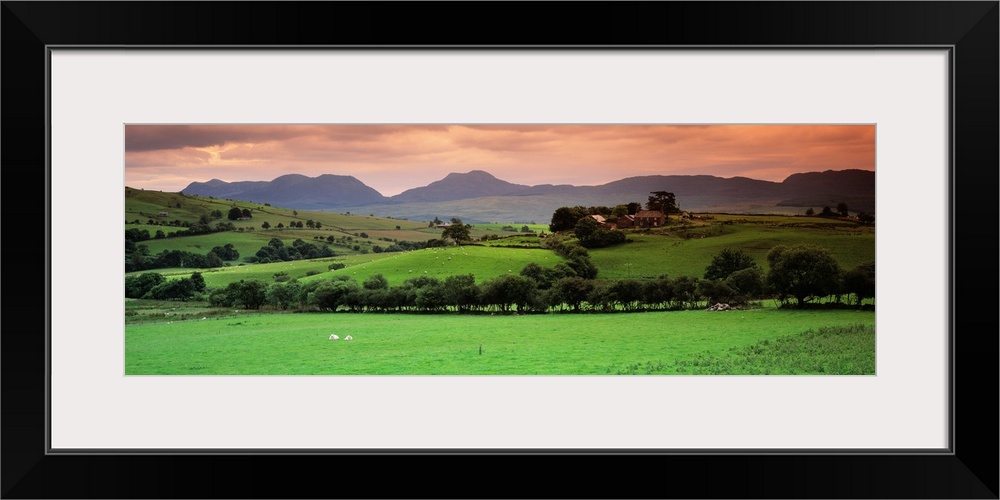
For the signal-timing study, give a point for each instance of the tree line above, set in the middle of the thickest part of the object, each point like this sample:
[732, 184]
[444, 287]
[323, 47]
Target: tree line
[798, 275]
[138, 258]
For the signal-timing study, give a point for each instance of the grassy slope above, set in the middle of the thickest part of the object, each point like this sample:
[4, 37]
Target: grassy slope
[651, 255]
[648, 255]
[449, 344]
[483, 262]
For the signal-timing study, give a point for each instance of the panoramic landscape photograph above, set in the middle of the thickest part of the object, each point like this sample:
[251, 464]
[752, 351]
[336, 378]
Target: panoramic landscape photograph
[467, 249]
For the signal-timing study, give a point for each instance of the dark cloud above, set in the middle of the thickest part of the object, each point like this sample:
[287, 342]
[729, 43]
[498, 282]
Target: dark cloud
[162, 137]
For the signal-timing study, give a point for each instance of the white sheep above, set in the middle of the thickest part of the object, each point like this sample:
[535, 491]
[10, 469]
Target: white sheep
[334, 337]
[348, 338]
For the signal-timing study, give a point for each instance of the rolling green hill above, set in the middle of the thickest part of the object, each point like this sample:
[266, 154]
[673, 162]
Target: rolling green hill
[681, 248]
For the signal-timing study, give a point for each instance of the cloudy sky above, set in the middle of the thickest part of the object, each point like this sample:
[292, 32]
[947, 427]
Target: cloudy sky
[394, 158]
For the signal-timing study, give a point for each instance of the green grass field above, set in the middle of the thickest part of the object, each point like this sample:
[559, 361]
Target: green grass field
[169, 337]
[681, 342]
[651, 255]
[483, 262]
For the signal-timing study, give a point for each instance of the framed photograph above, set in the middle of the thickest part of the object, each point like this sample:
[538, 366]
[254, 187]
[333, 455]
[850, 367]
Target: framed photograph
[139, 116]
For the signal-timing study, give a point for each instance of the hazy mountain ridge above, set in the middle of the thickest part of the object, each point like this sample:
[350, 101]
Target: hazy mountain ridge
[293, 191]
[457, 192]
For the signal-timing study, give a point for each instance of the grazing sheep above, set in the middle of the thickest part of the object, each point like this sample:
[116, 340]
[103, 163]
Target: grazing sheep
[348, 338]
[334, 337]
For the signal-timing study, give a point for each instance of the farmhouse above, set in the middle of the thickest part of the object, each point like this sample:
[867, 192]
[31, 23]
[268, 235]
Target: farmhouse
[600, 219]
[163, 214]
[623, 222]
[650, 218]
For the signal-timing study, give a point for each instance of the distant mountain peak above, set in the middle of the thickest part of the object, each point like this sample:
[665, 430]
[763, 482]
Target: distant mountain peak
[293, 191]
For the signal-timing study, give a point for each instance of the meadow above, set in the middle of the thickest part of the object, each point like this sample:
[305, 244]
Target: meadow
[190, 337]
[759, 341]
[687, 251]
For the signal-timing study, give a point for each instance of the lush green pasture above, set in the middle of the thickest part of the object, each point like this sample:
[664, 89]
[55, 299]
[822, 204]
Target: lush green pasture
[222, 276]
[515, 241]
[246, 243]
[651, 255]
[145, 205]
[423, 234]
[847, 350]
[483, 262]
[497, 227]
[405, 344]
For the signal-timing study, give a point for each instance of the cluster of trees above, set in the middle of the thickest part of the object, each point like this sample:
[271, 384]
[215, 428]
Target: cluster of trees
[226, 252]
[663, 201]
[457, 231]
[509, 292]
[138, 258]
[591, 234]
[236, 213]
[277, 251]
[155, 286]
[842, 211]
[311, 224]
[533, 290]
[801, 273]
[578, 259]
[136, 235]
[566, 218]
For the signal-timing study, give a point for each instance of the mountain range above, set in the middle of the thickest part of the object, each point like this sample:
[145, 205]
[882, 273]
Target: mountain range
[478, 196]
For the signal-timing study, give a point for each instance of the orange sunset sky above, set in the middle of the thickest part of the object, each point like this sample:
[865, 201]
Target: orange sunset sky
[394, 158]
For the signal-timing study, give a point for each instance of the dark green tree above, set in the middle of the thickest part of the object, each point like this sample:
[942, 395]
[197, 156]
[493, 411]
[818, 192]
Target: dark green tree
[510, 289]
[565, 218]
[235, 213]
[457, 231]
[860, 282]
[664, 201]
[198, 281]
[727, 262]
[748, 283]
[461, 291]
[842, 209]
[376, 282]
[585, 228]
[138, 285]
[572, 291]
[804, 272]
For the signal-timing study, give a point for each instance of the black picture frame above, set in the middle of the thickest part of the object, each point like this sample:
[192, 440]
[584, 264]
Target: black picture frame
[969, 28]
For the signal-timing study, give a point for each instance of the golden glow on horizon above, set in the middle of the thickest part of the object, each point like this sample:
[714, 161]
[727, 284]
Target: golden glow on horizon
[393, 158]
